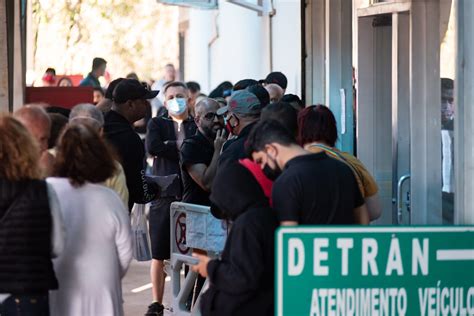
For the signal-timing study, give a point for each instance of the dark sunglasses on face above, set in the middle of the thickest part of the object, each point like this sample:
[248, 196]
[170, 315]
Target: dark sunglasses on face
[210, 116]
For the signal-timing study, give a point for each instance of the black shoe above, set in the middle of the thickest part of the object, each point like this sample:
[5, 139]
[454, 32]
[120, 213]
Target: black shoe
[155, 309]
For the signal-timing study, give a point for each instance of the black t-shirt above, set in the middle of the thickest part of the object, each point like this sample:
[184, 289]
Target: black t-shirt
[195, 150]
[316, 189]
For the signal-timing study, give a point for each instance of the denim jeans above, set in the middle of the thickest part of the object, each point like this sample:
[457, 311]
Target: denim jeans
[25, 305]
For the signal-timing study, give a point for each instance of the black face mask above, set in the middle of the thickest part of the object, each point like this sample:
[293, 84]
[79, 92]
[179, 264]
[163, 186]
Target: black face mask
[272, 174]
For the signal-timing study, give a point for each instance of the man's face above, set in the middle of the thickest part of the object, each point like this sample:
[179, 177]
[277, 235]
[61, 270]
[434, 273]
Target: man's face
[176, 92]
[267, 160]
[208, 121]
[139, 108]
[266, 157]
[97, 97]
[40, 129]
[101, 70]
[170, 74]
[447, 109]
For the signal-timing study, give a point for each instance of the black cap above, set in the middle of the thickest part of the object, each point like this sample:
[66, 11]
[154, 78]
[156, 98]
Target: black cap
[277, 77]
[131, 89]
[261, 93]
[244, 83]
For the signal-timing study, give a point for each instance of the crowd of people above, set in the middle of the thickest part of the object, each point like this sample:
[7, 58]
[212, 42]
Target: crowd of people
[255, 155]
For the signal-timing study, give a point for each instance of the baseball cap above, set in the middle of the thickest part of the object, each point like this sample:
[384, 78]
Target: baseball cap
[261, 93]
[244, 84]
[131, 89]
[277, 77]
[242, 102]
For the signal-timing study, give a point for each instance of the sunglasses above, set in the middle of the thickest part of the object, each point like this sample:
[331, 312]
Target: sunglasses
[211, 116]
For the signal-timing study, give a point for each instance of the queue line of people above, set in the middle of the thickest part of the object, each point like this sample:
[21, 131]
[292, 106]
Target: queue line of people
[257, 161]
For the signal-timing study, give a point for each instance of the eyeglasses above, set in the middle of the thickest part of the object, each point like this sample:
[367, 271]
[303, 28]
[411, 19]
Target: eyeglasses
[210, 116]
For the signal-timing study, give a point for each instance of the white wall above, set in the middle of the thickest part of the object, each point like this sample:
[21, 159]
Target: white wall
[242, 47]
[199, 34]
[286, 29]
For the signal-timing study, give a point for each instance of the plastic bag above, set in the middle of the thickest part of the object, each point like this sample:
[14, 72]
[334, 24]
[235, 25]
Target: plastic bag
[140, 239]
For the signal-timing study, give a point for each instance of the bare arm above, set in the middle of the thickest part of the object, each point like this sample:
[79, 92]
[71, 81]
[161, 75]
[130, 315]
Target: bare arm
[204, 175]
[289, 223]
[361, 215]
[374, 206]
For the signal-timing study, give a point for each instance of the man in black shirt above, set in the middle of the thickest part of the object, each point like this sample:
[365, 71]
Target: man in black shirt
[242, 112]
[165, 135]
[309, 189]
[200, 153]
[130, 102]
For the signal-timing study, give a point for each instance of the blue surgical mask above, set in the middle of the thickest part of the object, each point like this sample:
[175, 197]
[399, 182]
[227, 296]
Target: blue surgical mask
[176, 106]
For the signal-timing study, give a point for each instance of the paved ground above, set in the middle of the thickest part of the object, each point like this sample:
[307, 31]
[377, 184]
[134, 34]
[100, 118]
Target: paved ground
[138, 276]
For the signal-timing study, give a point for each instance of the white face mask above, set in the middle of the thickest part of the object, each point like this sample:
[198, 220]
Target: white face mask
[176, 106]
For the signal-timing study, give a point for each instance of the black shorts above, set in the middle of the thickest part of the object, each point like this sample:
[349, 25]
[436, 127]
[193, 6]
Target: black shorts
[159, 226]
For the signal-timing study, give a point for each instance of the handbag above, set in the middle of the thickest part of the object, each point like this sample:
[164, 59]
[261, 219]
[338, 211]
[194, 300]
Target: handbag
[140, 237]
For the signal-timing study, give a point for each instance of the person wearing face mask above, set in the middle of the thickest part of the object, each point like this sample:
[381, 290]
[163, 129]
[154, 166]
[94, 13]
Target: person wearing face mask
[241, 114]
[309, 189]
[165, 135]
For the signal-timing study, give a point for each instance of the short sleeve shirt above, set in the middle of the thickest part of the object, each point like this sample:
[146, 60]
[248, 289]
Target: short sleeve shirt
[195, 150]
[367, 184]
[316, 189]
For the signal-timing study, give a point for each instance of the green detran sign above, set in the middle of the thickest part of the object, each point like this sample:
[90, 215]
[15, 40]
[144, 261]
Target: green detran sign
[376, 271]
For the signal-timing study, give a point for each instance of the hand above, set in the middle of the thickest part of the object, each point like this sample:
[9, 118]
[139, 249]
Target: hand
[220, 140]
[201, 267]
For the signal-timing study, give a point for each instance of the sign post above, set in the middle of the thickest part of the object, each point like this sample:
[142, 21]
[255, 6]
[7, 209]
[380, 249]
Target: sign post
[380, 271]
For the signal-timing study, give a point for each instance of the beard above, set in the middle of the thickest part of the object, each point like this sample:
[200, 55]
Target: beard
[211, 132]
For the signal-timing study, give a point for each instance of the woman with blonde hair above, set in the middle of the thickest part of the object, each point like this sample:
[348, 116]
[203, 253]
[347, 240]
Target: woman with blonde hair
[30, 225]
[99, 246]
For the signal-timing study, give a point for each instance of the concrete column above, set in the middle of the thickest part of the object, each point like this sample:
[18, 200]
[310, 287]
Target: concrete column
[464, 126]
[339, 68]
[4, 103]
[425, 153]
[12, 70]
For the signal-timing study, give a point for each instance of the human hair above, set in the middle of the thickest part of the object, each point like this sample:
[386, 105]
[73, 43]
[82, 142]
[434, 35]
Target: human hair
[169, 65]
[132, 75]
[244, 84]
[261, 93]
[174, 84]
[87, 113]
[67, 80]
[50, 71]
[97, 62]
[294, 100]
[31, 114]
[19, 152]
[58, 121]
[317, 123]
[193, 86]
[218, 92]
[99, 89]
[267, 132]
[83, 156]
[283, 113]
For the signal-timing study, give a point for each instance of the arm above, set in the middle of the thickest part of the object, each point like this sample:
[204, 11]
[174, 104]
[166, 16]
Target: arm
[156, 146]
[123, 235]
[137, 185]
[244, 266]
[204, 175]
[58, 234]
[289, 223]
[373, 206]
[361, 215]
